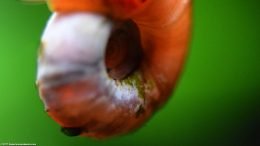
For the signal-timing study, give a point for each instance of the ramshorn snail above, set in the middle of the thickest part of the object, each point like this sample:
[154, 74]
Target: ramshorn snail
[105, 66]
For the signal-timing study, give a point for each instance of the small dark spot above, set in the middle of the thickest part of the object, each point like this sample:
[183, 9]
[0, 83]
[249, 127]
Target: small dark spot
[139, 111]
[108, 70]
[47, 110]
[71, 131]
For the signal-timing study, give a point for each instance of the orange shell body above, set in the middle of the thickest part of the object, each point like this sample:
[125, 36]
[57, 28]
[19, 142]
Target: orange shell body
[115, 8]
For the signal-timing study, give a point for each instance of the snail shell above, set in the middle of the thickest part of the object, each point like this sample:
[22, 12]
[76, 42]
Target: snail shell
[99, 77]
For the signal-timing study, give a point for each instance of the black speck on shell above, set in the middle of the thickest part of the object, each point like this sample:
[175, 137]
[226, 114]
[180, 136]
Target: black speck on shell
[71, 131]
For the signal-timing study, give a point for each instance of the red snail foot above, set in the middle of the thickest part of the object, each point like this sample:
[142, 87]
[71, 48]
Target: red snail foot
[105, 67]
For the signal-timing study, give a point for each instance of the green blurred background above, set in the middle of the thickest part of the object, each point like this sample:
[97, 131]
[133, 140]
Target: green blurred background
[216, 101]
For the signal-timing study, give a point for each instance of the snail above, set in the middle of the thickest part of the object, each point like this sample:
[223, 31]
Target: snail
[106, 66]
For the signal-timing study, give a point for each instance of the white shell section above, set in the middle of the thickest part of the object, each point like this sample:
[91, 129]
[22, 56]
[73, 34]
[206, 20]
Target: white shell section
[76, 37]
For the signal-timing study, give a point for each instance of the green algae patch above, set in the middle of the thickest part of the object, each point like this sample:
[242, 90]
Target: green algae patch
[135, 80]
[149, 85]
